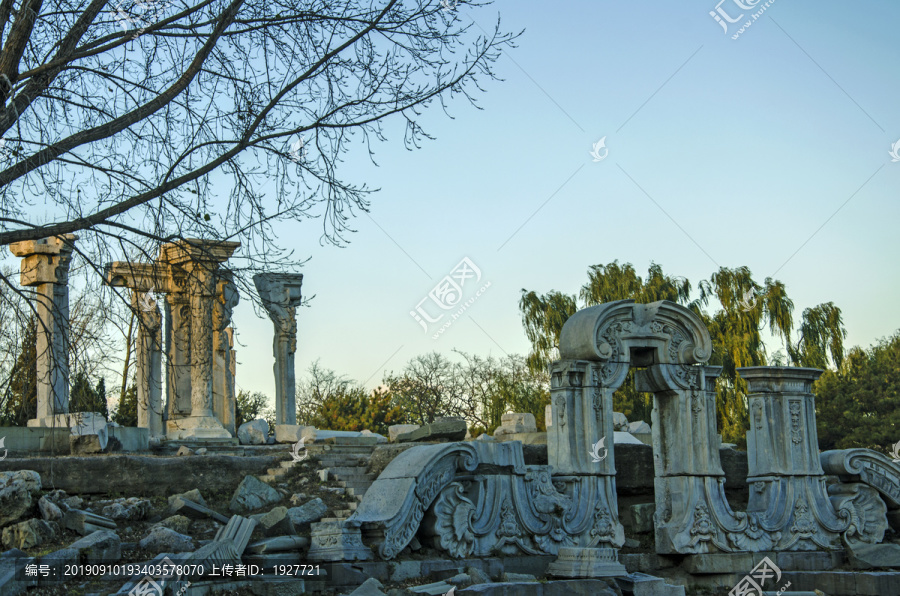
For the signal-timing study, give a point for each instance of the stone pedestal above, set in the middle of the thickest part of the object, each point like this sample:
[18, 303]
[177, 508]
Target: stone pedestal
[280, 294]
[45, 266]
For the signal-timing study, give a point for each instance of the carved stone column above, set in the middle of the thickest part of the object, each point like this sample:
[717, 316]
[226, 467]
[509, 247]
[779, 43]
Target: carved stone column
[149, 364]
[787, 483]
[45, 266]
[280, 294]
[178, 354]
[227, 298]
[200, 260]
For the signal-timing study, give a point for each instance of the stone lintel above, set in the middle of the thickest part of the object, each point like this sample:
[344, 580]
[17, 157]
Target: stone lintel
[193, 250]
[779, 379]
[141, 277]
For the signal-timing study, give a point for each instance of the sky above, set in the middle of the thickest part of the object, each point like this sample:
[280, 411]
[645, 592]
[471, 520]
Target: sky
[770, 150]
[632, 131]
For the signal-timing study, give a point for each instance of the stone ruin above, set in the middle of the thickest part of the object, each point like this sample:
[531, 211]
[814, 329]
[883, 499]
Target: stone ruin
[489, 509]
[194, 329]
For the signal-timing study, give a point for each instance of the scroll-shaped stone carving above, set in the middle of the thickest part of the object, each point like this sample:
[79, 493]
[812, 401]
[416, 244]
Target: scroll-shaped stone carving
[875, 469]
[393, 507]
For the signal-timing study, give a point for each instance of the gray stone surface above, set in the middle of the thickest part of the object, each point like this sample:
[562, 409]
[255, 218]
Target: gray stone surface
[516, 423]
[191, 495]
[620, 422]
[165, 540]
[449, 429]
[179, 523]
[85, 522]
[582, 587]
[103, 546]
[194, 510]
[84, 444]
[370, 587]
[379, 439]
[638, 427]
[289, 433]
[50, 511]
[642, 517]
[432, 589]
[641, 584]
[279, 544]
[15, 502]
[399, 429]
[276, 522]
[128, 474]
[254, 432]
[237, 532]
[252, 494]
[478, 576]
[518, 577]
[133, 508]
[874, 556]
[310, 512]
[184, 451]
[10, 563]
[337, 540]
[587, 563]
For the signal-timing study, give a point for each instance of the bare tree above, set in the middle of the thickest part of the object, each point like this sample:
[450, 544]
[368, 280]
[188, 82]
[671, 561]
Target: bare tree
[166, 119]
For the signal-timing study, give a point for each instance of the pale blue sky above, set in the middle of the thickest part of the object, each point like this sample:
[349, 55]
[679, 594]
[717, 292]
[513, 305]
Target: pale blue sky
[769, 151]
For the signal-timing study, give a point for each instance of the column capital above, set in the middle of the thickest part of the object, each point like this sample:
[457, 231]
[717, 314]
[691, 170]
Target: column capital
[46, 260]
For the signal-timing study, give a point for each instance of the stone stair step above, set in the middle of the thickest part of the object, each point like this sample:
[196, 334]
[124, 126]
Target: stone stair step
[348, 470]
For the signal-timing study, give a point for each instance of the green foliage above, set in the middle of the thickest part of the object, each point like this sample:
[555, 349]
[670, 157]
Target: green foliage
[353, 410]
[125, 413]
[745, 309]
[85, 398]
[20, 397]
[858, 405]
[250, 406]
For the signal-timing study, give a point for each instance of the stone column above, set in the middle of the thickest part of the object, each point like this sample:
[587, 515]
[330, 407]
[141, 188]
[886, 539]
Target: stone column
[200, 260]
[227, 298]
[280, 294]
[178, 348]
[149, 364]
[45, 266]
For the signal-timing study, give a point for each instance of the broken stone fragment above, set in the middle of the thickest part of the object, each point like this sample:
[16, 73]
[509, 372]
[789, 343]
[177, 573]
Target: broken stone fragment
[102, 546]
[196, 511]
[127, 509]
[279, 544]
[85, 444]
[49, 510]
[276, 522]
[307, 513]
[255, 432]
[252, 494]
[442, 429]
[179, 523]
[85, 522]
[191, 495]
[184, 451]
[237, 531]
[165, 540]
[29, 533]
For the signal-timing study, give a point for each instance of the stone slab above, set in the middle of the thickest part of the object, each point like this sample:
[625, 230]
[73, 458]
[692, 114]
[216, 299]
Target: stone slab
[534, 438]
[130, 438]
[875, 556]
[582, 587]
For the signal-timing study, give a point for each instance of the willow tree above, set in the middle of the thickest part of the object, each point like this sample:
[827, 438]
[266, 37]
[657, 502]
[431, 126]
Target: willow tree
[745, 309]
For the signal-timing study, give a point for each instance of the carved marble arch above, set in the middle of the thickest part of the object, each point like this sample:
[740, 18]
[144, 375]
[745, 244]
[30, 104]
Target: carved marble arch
[623, 334]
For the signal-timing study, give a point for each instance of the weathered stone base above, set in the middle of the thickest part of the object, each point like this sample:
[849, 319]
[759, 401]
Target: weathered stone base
[337, 540]
[196, 428]
[587, 562]
[78, 423]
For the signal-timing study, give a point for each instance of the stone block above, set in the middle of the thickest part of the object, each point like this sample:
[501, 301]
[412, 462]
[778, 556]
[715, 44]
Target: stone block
[620, 422]
[237, 531]
[15, 502]
[127, 509]
[276, 522]
[102, 546]
[379, 439]
[252, 494]
[289, 433]
[337, 541]
[586, 562]
[165, 540]
[278, 544]
[311, 434]
[642, 517]
[399, 429]
[874, 556]
[530, 438]
[85, 444]
[131, 438]
[638, 426]
[516, 423]
[442, 429]
[433, 589]
[50, 511]
[641, 584]
[85, 522]
[193, 510]
[359, 441]
[179, 523]
[254, 432]
[306, 514]
[191, 495]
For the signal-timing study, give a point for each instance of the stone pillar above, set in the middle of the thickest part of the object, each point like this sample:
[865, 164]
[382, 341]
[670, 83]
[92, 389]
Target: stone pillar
[787, 483]
[149, 364]
[280, 294]
[580, 450]
[227, 298]
[45, 266]
[200, 260]
[178, 349]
